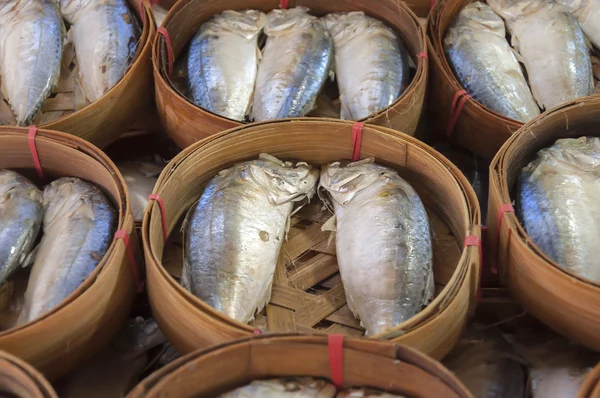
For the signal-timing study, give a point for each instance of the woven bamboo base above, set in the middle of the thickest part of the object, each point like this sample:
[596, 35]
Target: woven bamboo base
[308, 295]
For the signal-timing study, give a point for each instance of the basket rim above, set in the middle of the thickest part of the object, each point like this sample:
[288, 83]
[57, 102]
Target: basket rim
[161, 78]
[501, 185]
[125, 220]
[30, 372]
[461, 271]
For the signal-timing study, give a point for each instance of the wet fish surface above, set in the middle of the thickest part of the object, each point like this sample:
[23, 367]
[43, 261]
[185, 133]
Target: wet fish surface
[105, 34]
[371, 63]
[300, 387]
[79, 223]
[558, 202]
[587, 13]
[21, 214]
[487, 365]
[383, 243]
[553, 48]
[296, 62]
[31, 46]
[485, 64]
[223, 63]
[233, 234]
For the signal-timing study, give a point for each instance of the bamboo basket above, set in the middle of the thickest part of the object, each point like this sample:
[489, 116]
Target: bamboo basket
[591, 385]
[186, 123]
[393, 368]
[566, 303]
[478, 128]
[87, 319]
[21, 380]
[307, 293]
[103, 121]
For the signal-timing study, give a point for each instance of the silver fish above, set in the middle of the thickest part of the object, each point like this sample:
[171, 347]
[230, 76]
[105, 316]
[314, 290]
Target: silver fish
[558, 201]
[296, 62]
[141, 178]
[587, 13]
[371, 63]
[31, 45]
[79, 223]
[553, 48]
[487, 365]
[485, 64]
[383, 243]
[223, 62]
[105, 35]
[366, 393]
[21, 213]
[233, 234]
[300, 387]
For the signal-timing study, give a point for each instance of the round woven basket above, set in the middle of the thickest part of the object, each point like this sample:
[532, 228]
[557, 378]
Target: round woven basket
[393, 368]
[103, 121]
[20, 380]
[87, 319]
[591, 386]
[564, 302]
[186, 123]
[307, 293]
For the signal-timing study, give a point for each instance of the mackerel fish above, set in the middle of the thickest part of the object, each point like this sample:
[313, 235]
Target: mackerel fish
[300, 387]
[105, 34]
[31, 45]
[374, 79]
[223, 62]
[233, 234]
[21, 214]
[553, 48]
[485, 64]
[383, 243]
[79, 223]
[295, 65]
[558, 202]
[587, 13]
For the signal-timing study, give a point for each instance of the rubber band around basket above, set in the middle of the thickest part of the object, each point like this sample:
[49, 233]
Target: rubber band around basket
[357, 131]
[283, 4]
[460, 99]
[431, 4]
[505, 208]
[335, 343]
[476, 241]
[423, 54]
[170, 57]
[122, 234]
[34, 153]
[163, 215]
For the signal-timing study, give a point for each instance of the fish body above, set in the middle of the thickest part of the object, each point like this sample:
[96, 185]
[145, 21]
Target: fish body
[558, 202]
[587, 13]
[371, 63]
[140, 178]
[79, 223]
[21, 214]
[233, 234]
[366, 393]
[383, 243]
[485, 64]
[553, 48]
[223, 62]
[105, 34]
[301, 387]
[31, 44]
[296, 62]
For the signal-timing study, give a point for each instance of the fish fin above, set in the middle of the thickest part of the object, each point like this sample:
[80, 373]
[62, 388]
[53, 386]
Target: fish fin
[331, 74]
[30, 258]
[429, 290]
[514, 47]
[330, 224]
[266, 297]
[345, 113]
[185, 281]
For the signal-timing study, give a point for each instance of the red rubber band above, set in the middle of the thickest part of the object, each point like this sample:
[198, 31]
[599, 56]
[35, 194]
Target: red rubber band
[357, 131]
[423, 54]
[256, 332]
[283, 4]
[142, 12]
[432, 4]
[336, 356]
[476, 241]
[505, 208]
[122, 234]
[163, 216]
[170, 57]
[460, 98]
[34, 154]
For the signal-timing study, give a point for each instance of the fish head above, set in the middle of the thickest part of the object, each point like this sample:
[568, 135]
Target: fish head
[280, 20]
[344, 26]
[512, 10]
[63, 197]
[573, 5]
[11, 181]
[70, 8]
[248, 23]
[283, 181]
[344, 180]
[476, 15]
[581, 155]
